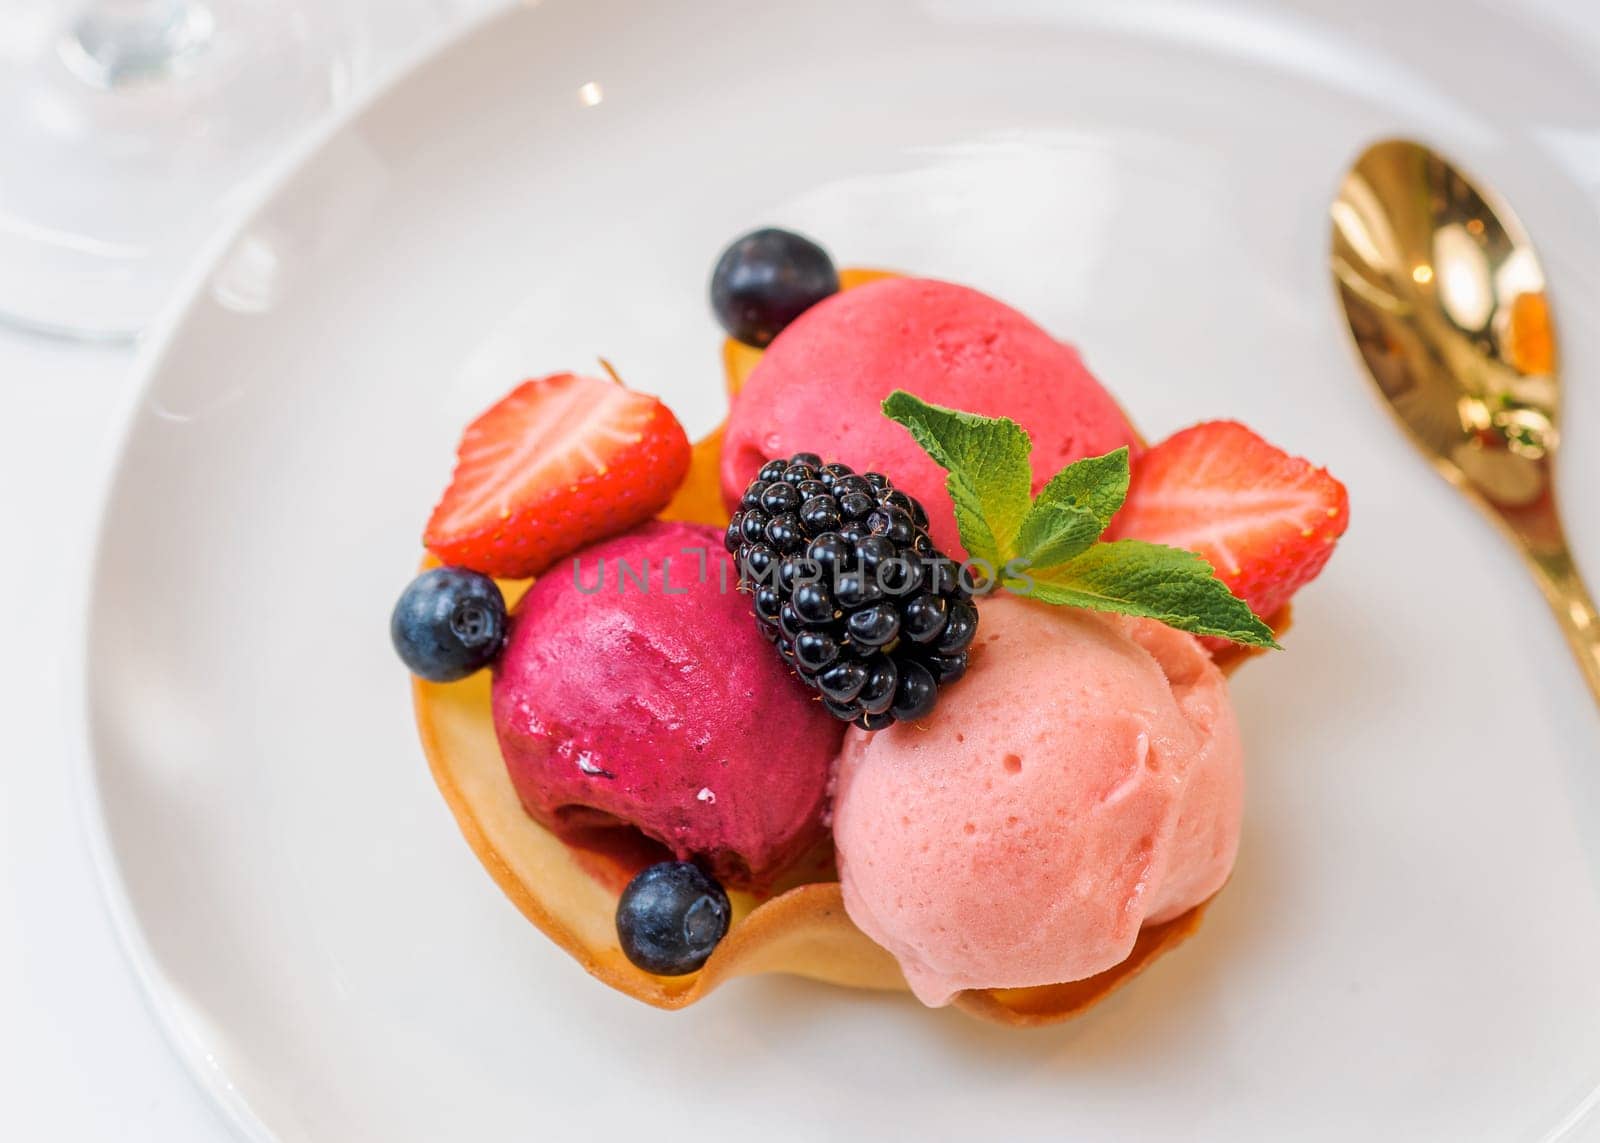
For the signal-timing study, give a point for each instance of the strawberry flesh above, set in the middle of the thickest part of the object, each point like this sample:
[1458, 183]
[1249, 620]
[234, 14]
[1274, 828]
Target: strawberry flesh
[1265, 520]
[558, 463]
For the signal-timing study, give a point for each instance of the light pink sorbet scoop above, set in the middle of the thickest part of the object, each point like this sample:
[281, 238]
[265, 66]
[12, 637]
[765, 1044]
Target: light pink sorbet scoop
[1085, 778]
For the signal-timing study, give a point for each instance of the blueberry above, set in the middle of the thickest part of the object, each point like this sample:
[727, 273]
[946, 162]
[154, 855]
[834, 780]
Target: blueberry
[448, 624]
[874, 626]
[765, 280]
[671, 917]
[917, 693]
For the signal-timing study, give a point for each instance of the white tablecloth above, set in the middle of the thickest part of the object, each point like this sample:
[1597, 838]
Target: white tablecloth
[80, 1056]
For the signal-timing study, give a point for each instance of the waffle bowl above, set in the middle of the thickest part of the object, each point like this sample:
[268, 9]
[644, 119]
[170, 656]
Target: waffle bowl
[570, 891]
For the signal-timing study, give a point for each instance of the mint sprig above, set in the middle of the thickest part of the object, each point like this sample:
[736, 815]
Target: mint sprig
[1174, 586]
[1049, 547]
[991, 481]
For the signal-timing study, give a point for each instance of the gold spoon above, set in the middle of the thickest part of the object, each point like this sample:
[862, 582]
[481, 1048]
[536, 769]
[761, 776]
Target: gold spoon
[1446, 302]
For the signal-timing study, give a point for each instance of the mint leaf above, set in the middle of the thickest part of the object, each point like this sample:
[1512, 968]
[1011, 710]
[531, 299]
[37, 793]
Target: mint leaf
[1073, 509]
[1052, 534]
[1098, 484]
[1050, 548]
[990, 479]
[1131, 577]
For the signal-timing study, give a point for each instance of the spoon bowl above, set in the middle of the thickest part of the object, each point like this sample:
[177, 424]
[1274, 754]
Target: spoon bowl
[1446, 301]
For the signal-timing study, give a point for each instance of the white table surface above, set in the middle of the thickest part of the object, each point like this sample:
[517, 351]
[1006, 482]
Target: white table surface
[80, 1056]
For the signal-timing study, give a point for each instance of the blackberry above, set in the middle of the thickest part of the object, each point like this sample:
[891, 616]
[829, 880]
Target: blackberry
[850, 589]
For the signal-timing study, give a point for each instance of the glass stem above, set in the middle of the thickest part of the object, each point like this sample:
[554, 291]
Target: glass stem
[115, 42]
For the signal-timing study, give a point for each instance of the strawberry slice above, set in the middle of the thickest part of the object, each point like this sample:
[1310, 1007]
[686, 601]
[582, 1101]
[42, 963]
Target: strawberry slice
[558, 463]
[1265, 520]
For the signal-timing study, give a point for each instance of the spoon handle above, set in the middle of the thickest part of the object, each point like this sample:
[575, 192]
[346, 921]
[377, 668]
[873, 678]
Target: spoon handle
[1574, 609]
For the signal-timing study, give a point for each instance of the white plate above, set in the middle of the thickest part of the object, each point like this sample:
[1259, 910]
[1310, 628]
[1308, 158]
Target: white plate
[1411, 944]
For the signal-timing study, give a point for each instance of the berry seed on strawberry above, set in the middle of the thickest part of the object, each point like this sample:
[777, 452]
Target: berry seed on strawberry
[1265, 521]
[558, 463]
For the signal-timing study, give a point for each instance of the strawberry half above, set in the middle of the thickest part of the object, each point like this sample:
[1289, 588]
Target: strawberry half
[558, 463]
[1265, 520]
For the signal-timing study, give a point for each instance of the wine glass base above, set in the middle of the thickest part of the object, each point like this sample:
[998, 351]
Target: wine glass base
[122, 157]
[103, 53]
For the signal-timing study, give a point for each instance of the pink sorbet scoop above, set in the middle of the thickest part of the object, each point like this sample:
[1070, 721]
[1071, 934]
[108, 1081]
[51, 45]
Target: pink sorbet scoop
[635, 691]
[820, 385]
[1083, 779]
